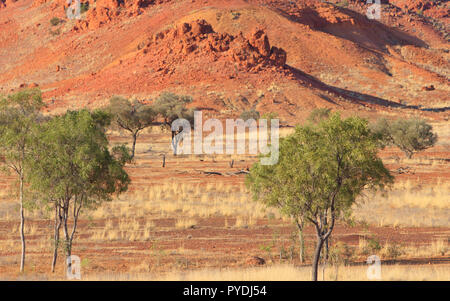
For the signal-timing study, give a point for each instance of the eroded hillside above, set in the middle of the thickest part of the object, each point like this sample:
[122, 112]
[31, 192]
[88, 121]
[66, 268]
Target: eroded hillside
[284, 56]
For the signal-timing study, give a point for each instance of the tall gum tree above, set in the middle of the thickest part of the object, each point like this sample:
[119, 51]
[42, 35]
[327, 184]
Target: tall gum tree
[19, 114]
[72, 169]
[322, 169]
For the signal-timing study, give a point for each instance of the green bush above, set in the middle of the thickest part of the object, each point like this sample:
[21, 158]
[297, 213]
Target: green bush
[374, 244]
[409, 135]
[84, 7]
[250, 114]
[55, 21]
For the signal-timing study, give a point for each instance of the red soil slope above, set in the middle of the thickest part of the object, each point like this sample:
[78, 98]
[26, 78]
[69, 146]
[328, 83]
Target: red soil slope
[284, 56]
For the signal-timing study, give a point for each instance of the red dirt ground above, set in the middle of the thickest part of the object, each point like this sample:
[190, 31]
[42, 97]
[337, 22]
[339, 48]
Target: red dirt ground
[278, 56]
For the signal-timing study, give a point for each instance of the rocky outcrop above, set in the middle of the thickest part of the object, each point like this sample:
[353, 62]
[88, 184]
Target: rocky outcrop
[198, 38]
[108, 10]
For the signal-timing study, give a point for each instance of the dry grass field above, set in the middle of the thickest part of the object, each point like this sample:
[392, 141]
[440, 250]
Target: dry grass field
[178, 223]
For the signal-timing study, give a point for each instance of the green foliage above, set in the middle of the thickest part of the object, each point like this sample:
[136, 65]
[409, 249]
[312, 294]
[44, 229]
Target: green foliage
[19, 114]
[250, 114]
[71, 161]
[55, 21]
[323, 167]
[269, 115]
[374, 244]
[335, 158]
[132, 116]
[84, 263]
[84, 7]
[410, 135]
[171, 107]
[342, 3]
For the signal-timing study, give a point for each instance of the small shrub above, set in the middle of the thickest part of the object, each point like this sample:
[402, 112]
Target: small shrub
[55, 21]
[374, 244]
[250, 114]
[84, 7]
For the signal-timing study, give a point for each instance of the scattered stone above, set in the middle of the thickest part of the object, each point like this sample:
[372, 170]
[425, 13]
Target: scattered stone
[255, 261]
[428, 88]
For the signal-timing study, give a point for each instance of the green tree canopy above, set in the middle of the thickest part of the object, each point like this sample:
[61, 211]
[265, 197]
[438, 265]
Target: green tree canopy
[322, 169]
[19, 114]
[72, 168]
[172, 107]
[132, 116]
[409, 135]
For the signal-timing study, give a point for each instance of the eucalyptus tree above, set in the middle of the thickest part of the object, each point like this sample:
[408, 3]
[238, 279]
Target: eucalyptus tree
[72, 169]
[172, 107]
[132, 116]
[409, 135]
[19, 114]
[322, 169]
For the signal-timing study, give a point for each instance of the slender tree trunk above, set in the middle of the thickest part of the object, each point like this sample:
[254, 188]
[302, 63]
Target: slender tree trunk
[68, 243]
[56, 236]
[301, 242]
[302, 246]
[133, 148]
[325, 257]
[22, 223]
[316, 259]
[69, 238]
[174, 143]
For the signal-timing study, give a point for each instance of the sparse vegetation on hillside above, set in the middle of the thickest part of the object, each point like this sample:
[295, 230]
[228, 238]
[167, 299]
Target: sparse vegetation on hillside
[55, 21]
[250, 114]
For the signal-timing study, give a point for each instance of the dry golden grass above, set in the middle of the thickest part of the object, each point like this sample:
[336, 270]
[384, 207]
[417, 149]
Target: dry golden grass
[439, 247]
[407, 204]
[287, 273]
[189, 201]
[124, 229]
[185, 223]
